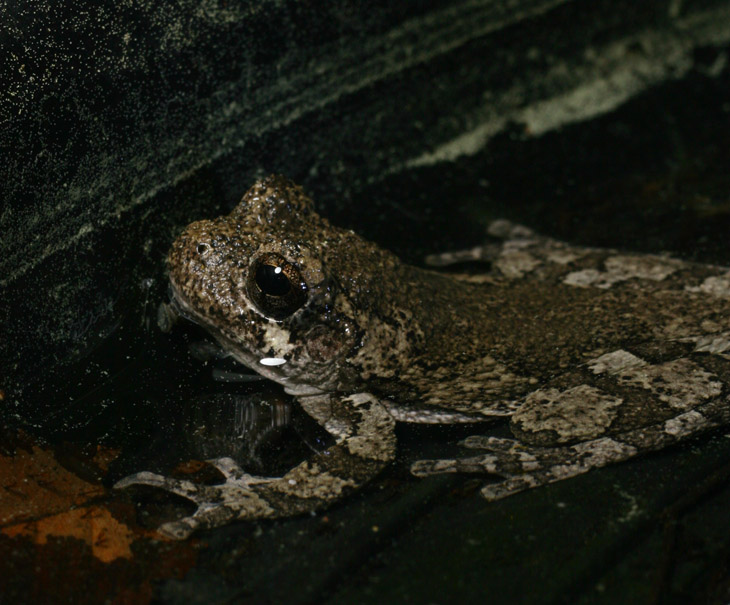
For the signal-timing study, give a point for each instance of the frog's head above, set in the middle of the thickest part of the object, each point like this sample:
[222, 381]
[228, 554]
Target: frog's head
[275, 284]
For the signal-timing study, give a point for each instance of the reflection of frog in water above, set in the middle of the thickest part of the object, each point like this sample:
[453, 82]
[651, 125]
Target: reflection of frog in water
[596, 356]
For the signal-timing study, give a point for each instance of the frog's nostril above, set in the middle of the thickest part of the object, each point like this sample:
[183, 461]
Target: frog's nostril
[202, 248]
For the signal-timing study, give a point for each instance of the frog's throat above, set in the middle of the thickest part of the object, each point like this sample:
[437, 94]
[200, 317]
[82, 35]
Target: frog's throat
[275, 373]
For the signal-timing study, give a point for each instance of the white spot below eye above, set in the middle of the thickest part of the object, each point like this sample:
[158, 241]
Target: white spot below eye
[272, 361]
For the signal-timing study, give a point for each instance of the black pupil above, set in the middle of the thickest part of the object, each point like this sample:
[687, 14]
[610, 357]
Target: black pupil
[272, 281]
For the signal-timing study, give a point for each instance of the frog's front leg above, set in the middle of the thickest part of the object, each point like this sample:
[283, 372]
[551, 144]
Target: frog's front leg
[365, 443]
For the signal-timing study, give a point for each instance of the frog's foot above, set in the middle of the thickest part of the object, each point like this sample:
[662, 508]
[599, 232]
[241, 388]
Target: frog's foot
[523, 466]
[501, 230]
[516, 252]
[217, 504]
[365, 442]
[477, 254]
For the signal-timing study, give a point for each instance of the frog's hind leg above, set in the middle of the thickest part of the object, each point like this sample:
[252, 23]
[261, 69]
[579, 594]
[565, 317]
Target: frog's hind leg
[516, 252]
[523, 466]
[632, 406]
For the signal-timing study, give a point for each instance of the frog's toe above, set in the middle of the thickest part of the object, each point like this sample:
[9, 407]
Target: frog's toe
[178, 530]
[229, 468]
[233, 473]
[492, 444]
[510, 457]
[508, 487]
[477, 464]
[207, 516]
[141, 478]
[424, 468]
[187, 489]
[478, 253]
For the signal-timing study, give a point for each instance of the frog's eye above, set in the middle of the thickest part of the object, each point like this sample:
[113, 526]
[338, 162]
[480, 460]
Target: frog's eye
[275, 286]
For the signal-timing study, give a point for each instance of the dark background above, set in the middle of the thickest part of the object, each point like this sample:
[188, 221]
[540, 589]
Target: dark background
[602, 123]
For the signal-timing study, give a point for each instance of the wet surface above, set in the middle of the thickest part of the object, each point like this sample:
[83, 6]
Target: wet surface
[649, 177]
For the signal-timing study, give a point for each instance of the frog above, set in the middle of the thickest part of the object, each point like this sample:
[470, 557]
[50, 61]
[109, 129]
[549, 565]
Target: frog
[591, 356]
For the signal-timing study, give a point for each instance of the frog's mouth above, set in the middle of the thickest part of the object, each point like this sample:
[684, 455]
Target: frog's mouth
[178, 308]
[272, 368]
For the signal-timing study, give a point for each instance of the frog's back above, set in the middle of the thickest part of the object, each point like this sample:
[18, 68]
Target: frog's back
[480, 344]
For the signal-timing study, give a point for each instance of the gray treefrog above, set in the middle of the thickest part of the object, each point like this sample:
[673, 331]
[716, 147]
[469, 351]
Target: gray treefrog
[594, 355]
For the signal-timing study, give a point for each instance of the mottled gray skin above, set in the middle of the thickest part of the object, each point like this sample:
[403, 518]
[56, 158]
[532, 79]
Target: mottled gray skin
[595, 355]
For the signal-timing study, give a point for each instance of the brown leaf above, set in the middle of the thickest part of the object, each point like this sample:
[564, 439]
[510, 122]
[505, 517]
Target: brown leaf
[33, 484]
[108, 538]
